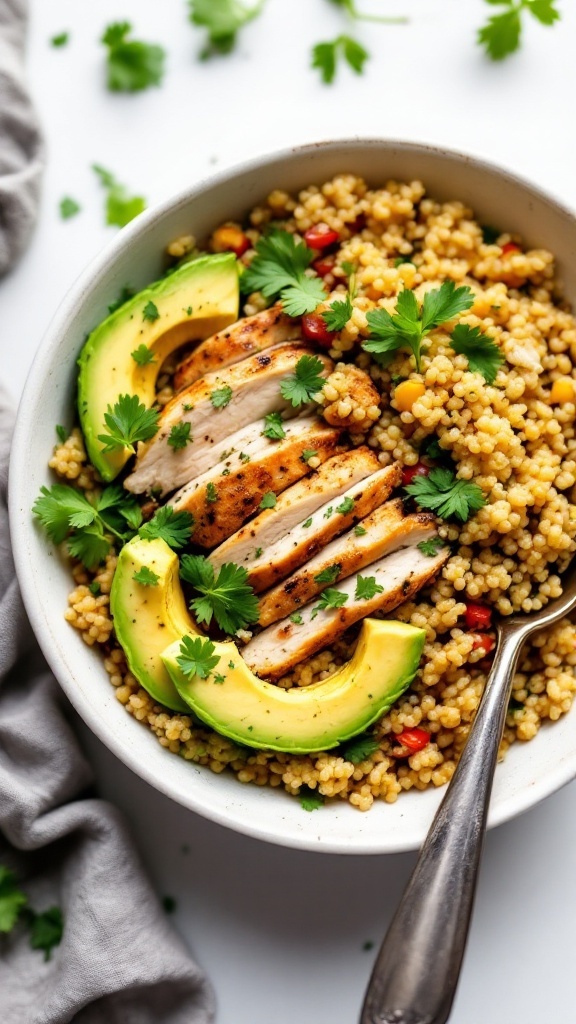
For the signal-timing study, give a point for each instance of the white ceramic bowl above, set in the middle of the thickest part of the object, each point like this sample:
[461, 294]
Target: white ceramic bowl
[531, 771]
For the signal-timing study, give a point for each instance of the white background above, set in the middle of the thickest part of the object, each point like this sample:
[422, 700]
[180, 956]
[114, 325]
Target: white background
[281, 932]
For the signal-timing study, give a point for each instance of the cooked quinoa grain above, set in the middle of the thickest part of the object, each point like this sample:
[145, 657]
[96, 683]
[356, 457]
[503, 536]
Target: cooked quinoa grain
[515, 438]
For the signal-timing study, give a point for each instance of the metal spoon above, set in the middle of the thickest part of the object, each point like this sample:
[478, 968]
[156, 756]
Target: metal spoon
[416, 973]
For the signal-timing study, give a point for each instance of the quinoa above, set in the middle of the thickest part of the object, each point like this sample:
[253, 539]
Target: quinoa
[509, 437]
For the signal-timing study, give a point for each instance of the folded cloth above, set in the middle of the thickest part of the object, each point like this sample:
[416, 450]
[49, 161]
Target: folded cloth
[20, 140]
[119, 961]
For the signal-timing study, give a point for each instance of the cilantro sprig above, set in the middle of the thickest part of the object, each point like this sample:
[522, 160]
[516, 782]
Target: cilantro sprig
[310, 799]
[197, 657]
[445, 495]
[431, 547]
[174, 528]
[12, 900]
[121, 207]
[131, 64]
[279, 269]
[227, 597]
[274, 427]
[223, 19]
[305, 382]
[367, 588]
[338, 314]
[411, 322]
[325, 56]
[128, 422]
[66, 514]
[45, 928]
[329, 599]
[482, 352]
[502, 33]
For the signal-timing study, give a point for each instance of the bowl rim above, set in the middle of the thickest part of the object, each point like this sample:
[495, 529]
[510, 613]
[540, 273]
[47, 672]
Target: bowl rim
[518, 802]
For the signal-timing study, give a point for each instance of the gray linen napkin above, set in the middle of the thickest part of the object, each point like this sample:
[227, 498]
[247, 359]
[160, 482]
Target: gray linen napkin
[20, 141]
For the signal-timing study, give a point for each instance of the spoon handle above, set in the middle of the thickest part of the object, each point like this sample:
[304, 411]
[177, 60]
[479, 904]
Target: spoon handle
[416, 973]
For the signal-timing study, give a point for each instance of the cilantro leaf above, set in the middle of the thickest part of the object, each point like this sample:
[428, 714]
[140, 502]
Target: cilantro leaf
[69, 208]
[310, 799]
[150, 312]
[128, 421]
[279, 269]
[147, 577]
[121, 207]
[359, 749]
[60, 40]
[307, 454]
[197, 657]
[325, 56]
[220, 397]
[179, 436]
[431, 547]
[409, 324]
[329, 599]
[500, 36]
[46, 930]
[274, 428]
[174, 528]
[448, 497]
[223, 19]
[143, 355]
[66, 513]
[345, 506]
[338, 314]
[61, 507]
[482, 352]
[305, 382]
[330, 574]
[211, 493]
[543, 10]
[359, 531]
[367, 588]
[131, 64]
[61, 433]
[89, 546]
[227, 597]
[12, 900]
[296, 618]
[268, 500]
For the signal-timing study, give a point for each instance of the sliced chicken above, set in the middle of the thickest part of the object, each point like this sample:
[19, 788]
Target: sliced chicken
[386, 530]
[303, 541]
[280, 647]
[254, 391]
[224, 497]
[245, 338]
[295, 505]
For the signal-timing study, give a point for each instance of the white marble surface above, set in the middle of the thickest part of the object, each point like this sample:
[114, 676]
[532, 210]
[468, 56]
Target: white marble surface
[282, 932]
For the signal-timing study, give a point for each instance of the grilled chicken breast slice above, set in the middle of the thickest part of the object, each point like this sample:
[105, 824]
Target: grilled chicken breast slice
[280, 647]
[303, 541]
[254, 392]
[387, 529]
[245, 338]
[294, 506]
[224, 497]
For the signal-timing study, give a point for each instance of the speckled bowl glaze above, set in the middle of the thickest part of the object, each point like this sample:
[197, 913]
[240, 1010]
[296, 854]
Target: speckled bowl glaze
[530, 772]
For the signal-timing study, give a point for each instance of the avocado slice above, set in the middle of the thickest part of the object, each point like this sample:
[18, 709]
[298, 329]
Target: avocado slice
[317, 717]
[192, 303]
[147, 618]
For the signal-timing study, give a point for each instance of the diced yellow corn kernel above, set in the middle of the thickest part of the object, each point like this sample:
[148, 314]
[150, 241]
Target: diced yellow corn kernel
[408, 392]
[562, 390]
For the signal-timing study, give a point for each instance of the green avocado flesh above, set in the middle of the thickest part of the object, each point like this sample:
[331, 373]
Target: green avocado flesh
[194, 302]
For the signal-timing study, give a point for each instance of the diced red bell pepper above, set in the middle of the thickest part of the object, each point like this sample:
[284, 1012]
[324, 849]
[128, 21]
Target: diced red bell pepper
[414, 739]
[483, 640]
[314, 329]
[321, 236]
[409, 472]
[324, 265]
[510, 247]
[478, 616]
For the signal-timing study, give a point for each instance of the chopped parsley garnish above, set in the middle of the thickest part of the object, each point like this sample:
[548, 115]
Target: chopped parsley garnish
[228, 597]
[359, 749]
[189, 310]
[345, 506]
[329, 512]
[186, 407]
[211, 493]
[61, 432]
[231, 664]
[60, 40]
[131, 64]
[501, 35]
[296, 618]
[329, 599]
[174, 528]
[225, 472]
[305, 382]
[325, 56]
[220, 397]
[279, 269]
[411, 323]
[307, 523]
[310, 799]
[258, 552]
[268, 500]
[121, 207]
[69, 208]
[126, 293]
[128, 422]
[330, 574]
[66, 514]
[197, 657]
[223, 19]
[147, 577]
[338, 314]
[274, 428]
[481, 351]
[359, 531]
[179, 436]
[95, 588]
[46, 930]
[448, 497]
[307, 454]
[12, 900]
[431, 547]
[143, 355]
[218, 678]
[244, 457]
[150, 312]
[367, 588]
